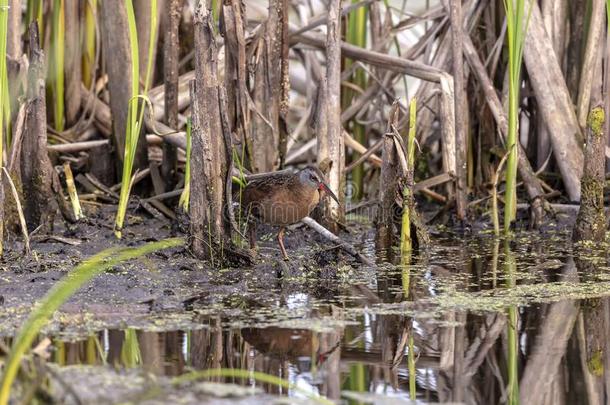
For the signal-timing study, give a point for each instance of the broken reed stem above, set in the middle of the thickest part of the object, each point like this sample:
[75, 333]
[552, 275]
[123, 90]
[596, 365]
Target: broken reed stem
[171, 55]
[406, 242]
[512, 335]
[591, 221]
[461, 109]
[76, 208]
[186, 193]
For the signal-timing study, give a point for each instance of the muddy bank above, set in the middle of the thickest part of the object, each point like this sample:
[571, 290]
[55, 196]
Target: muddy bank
[153, 291]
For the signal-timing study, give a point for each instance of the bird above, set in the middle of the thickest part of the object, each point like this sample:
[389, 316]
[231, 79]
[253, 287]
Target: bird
[282, 198]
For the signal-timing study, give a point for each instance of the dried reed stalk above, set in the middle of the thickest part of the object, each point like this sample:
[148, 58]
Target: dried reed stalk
[210, 230]
[171, 48]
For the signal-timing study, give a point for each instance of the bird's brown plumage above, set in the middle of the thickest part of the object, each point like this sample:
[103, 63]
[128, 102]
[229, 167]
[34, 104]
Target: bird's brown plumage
[282, 198]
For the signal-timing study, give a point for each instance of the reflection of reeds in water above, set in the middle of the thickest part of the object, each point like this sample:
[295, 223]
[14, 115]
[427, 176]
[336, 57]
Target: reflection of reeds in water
[512, 335]
[130, 351]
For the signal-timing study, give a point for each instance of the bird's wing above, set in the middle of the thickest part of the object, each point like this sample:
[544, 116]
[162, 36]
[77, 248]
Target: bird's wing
[265, 189]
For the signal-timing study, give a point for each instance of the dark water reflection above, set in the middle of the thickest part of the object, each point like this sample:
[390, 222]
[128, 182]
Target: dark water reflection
[561, 355]
[542, 352]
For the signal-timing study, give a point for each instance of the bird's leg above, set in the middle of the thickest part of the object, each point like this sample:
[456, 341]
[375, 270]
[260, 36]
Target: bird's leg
[280, 239]
[252, 234]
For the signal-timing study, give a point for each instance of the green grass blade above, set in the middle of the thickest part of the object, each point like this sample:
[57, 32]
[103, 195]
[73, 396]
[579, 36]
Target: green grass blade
[60, 293]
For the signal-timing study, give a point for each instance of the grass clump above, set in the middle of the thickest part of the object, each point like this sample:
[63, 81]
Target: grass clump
[516, 32]
[135, 115]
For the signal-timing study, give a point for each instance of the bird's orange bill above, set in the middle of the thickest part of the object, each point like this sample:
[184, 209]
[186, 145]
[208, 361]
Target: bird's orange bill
[326, 189]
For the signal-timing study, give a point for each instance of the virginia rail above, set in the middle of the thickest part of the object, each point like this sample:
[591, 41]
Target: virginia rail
[283, 198]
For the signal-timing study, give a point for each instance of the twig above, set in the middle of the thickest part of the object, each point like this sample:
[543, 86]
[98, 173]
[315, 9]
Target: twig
[317, 21]
[77, 146]
[385, 61]
[165, 196]
[331, 236]
[365, 155]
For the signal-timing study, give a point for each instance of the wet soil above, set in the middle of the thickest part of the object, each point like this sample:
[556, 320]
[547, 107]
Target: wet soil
[153, 291]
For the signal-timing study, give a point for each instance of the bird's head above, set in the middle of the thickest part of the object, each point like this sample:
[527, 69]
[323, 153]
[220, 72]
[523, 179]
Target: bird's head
[313, 177]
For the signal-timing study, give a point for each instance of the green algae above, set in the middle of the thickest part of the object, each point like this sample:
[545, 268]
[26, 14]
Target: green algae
[595, 363]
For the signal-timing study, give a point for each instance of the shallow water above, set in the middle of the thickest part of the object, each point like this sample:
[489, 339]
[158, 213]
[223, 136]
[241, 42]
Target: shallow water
[487, 322]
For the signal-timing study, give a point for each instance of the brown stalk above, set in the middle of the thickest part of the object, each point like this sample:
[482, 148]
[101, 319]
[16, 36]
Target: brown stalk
[73, 76]
[42, 191]
[210, 232]
[415, 69]
[591, 221]
[390, 173]
[116, 48]
[461, 107]
[171, 48]
[331, 145]
[236, 71]
[270, 91]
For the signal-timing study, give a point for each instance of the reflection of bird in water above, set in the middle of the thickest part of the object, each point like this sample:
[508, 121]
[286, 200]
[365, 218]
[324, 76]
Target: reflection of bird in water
[287, 344]
[283, 198]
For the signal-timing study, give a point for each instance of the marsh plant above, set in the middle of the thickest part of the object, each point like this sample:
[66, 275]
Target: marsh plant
[135, 116]
[516, 28]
